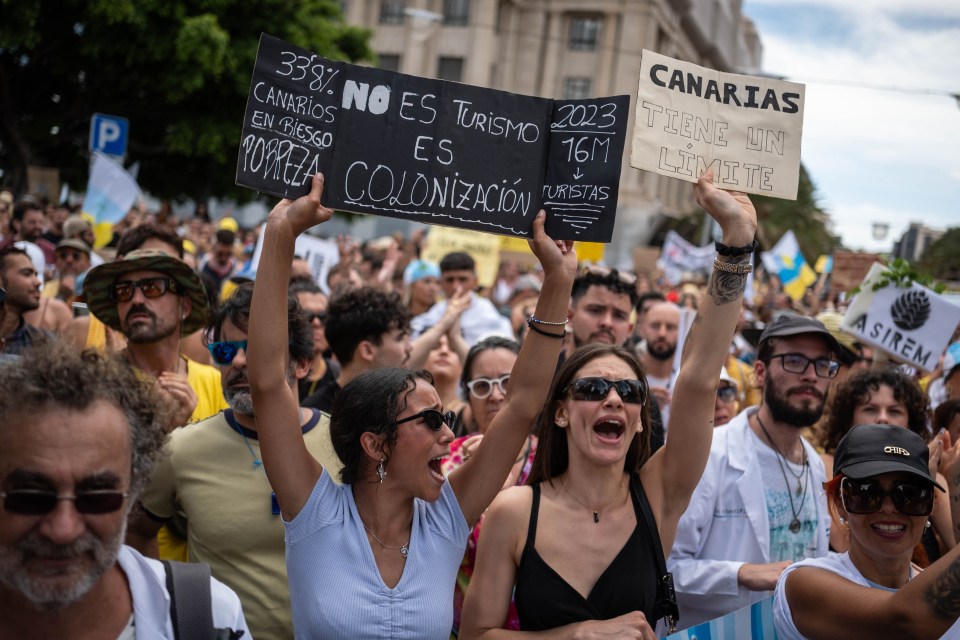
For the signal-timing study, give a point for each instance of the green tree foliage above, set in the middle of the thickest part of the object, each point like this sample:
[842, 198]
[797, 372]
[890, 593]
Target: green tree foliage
[942, 258]
[804, 216]
[179, 70]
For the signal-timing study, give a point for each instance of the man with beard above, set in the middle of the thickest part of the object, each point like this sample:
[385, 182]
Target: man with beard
[214, 479]
[600, 306]
[154, 300]
[67, 484]
[660, 330]
[18, 276]
[760, 505]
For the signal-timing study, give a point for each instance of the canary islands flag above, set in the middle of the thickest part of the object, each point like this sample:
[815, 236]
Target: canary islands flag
[786, 262]
[111, 191]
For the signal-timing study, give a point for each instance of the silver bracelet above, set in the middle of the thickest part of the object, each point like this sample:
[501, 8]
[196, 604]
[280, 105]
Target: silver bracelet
[537, 320]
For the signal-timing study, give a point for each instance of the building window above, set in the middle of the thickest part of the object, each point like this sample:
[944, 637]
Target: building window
[389, 62]
[450, 69]
[392, 11]
[584, 34]
[576, 88]
[456, 13]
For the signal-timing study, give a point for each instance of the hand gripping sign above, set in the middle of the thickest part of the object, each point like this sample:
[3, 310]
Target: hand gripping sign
[428, 150]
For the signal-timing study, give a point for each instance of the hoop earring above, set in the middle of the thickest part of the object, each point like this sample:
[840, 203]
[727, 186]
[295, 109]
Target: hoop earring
[381, 471]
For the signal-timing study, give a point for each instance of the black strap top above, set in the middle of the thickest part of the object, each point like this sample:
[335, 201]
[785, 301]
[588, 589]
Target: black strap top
[545, 600]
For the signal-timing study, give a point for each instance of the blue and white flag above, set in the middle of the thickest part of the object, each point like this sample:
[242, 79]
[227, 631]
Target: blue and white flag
[111, 191]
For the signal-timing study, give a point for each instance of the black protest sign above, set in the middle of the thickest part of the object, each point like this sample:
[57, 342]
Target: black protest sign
[429, 150]
[441, 153]
[291, 120]
[583, 165]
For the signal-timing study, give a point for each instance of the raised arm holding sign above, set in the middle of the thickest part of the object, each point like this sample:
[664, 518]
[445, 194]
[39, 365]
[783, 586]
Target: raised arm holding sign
[429, 150]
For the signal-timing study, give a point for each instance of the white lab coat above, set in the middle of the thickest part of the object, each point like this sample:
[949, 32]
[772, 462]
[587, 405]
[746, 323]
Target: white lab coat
[726, 526]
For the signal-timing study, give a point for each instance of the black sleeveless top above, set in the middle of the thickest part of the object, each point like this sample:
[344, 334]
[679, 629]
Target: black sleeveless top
[545, 600]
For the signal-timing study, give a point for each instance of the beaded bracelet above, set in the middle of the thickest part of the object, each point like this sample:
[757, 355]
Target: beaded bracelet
[533, 327]
[537, 320]
[725, 250]
[739, 269]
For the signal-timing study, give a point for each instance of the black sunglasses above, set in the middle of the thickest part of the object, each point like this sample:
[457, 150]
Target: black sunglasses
[225, 351]
[320, 315]
[911, 498]
[727, 394]
[593, 389]
[38, 503]
[155, 287]
[798, 363]
[433, 418]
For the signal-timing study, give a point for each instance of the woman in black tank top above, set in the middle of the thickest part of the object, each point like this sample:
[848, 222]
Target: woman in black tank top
[583, 548]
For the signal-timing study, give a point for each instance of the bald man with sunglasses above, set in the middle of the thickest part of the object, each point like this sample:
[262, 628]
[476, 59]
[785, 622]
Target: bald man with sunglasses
[213, 478]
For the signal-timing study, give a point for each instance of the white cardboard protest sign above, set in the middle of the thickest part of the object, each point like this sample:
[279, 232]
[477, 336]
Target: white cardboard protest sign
[912, 325]
[320, 254]
[690, 118]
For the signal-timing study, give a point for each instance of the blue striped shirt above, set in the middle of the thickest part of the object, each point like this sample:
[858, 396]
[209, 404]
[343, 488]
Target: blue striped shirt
[335, 587]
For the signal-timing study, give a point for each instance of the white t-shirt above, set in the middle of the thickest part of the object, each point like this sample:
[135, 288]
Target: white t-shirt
[840, 564]
[786, 544]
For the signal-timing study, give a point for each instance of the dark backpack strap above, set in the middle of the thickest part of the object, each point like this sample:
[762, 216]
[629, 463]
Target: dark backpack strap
[666, 596]
[191, 610]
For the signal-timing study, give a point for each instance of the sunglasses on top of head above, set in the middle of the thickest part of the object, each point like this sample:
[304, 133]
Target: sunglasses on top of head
[155, 287]
[26, 502]
[909, 497]
[432, 418]
[593, 389]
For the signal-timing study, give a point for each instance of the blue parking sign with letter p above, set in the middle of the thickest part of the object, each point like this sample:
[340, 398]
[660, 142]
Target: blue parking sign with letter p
[108, 134]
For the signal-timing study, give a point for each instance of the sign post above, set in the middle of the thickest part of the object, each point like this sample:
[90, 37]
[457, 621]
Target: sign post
[108, 135]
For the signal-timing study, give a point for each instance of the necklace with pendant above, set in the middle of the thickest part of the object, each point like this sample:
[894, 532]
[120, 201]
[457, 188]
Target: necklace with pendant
[404, 549]
[795, 525]
[597, 508]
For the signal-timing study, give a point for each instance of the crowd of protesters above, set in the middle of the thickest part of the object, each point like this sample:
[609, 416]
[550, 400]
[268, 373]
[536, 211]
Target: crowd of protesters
[340, 485]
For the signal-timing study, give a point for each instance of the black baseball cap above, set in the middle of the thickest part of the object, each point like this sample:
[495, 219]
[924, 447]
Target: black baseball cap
[792, 325]
[871, 449]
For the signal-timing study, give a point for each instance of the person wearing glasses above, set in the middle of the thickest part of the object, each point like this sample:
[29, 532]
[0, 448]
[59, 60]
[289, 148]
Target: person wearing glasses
[882, 491]
[886, 396]
[726, 405]
[582, 548]
[377, 556]
[324, 369]
[155, 300]
[213, 475]
[486, 374]
[759, 507]
[80, 434]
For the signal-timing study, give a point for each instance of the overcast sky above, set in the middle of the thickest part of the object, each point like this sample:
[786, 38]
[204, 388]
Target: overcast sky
[875, 156]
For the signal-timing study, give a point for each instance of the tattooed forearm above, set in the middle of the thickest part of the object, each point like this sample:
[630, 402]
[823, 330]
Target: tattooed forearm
[944, 594]
[728, 287]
